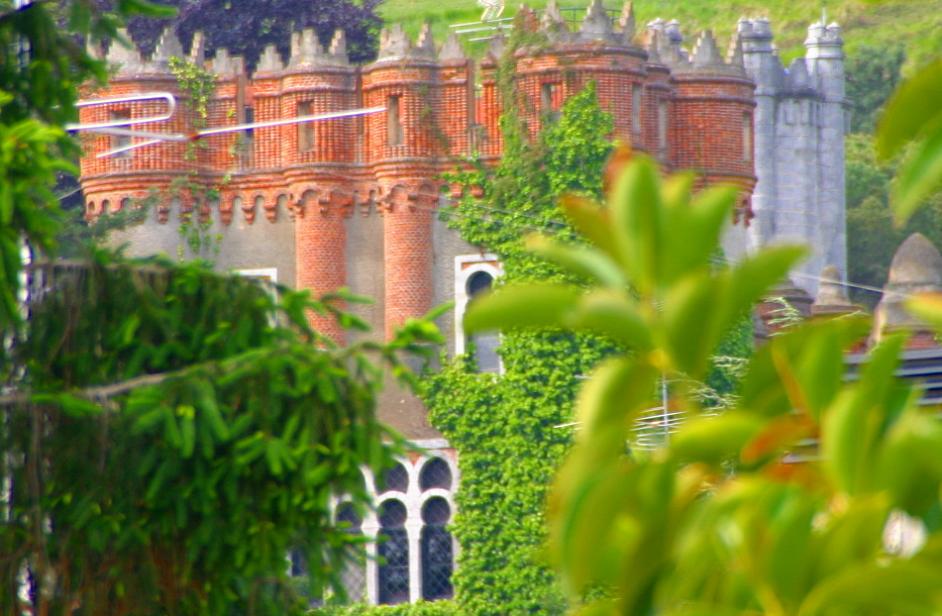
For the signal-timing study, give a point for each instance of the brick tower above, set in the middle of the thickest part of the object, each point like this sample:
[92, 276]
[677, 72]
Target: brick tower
[352, 202]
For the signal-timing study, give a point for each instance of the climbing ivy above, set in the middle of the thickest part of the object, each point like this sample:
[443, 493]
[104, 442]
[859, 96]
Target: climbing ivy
[198, 86]
[435, 608]
[512, 430]
[508, 429]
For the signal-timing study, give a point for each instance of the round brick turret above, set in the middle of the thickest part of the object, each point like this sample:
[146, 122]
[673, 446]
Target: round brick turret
[713, 116]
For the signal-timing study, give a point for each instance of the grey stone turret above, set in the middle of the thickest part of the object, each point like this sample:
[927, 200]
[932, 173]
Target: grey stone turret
[916, 268]
[664, 44]
[799, 146]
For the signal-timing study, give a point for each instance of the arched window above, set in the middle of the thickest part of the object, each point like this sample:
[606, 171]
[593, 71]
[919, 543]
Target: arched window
[353, 576]
[435, 474]
[436, 547]
[393, 549]
[394, 479]
[485, 344]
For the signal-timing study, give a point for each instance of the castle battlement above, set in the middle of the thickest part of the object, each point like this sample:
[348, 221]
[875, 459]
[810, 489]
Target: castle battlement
[736, 117]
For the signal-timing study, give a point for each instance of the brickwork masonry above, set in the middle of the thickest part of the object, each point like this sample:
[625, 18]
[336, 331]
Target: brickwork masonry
[735, 117]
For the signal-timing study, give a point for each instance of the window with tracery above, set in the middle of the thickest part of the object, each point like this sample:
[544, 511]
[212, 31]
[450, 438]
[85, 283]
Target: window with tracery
[436, 547]
[393, 551]
[353, 576]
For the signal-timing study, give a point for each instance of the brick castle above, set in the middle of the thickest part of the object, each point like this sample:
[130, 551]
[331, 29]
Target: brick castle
[352, 201]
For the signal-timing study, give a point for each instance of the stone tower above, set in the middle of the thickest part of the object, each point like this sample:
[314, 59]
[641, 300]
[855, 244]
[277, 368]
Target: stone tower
[799, 143]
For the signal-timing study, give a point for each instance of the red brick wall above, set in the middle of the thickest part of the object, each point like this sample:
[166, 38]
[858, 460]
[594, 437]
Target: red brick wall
[443, 115]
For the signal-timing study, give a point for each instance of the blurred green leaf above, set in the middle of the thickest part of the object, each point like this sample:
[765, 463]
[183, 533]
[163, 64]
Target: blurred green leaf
[531, 305]
[912, 110]
[919, 176]
[581, 261]
[715, 439]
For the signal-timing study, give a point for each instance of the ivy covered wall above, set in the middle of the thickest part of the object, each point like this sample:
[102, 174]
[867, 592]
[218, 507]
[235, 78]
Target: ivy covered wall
[509, 430]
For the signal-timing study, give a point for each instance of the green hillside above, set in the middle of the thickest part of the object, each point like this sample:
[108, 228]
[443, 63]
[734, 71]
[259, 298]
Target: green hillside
[915, 23]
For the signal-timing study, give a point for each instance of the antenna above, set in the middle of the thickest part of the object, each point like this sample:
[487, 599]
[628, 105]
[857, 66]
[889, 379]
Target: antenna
[116, 126]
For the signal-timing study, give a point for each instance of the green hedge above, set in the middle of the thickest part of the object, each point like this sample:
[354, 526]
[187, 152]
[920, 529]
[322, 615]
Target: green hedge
[436, 608]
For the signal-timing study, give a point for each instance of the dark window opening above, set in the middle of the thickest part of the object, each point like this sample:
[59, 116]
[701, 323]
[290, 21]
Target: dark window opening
[247, 145]
[393, 121]
[435, 474]
[393, 550]
[121, 141]
[484, 344]
[249, 114]
[746, 137]
[662, 126]
[549, 100]
[395, 478]
[353, 575]
[305, 129]
[436, 548]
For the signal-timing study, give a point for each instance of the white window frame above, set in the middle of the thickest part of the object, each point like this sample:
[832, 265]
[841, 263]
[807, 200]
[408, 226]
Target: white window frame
[271, 273]
[465, 267]
[413, 499]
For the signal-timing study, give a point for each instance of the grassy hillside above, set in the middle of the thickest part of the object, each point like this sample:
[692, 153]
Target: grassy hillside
[917, 24]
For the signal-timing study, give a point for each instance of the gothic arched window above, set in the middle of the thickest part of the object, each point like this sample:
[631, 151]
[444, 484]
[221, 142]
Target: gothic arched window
[436, 547]
[435, 474]
[394, 479]
[485, 344]
[353, 576]
[393, 549]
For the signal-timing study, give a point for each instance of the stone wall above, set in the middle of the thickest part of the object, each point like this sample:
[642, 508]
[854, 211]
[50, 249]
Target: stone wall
[799, 138]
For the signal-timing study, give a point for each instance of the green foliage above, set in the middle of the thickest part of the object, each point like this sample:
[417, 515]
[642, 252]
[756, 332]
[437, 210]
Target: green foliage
[436, 608]
[170, 433]
[872, 74]
[914, 122]
[37, 96]
[884, 25]
[505, 428]
[719, 520]
[198, 86]
[872, 236]
[167, 433]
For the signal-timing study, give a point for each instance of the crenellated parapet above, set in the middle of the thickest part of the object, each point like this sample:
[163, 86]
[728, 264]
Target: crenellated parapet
[729, 116]
[433, 113]
[685, 102]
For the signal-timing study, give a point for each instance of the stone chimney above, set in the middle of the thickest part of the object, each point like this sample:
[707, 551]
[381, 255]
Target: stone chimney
[832, 297]
[916, 268]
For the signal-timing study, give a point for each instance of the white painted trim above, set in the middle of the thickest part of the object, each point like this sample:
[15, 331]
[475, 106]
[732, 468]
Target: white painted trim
[271, 273]
[465, 267]
[431, 444]
[414, 498]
